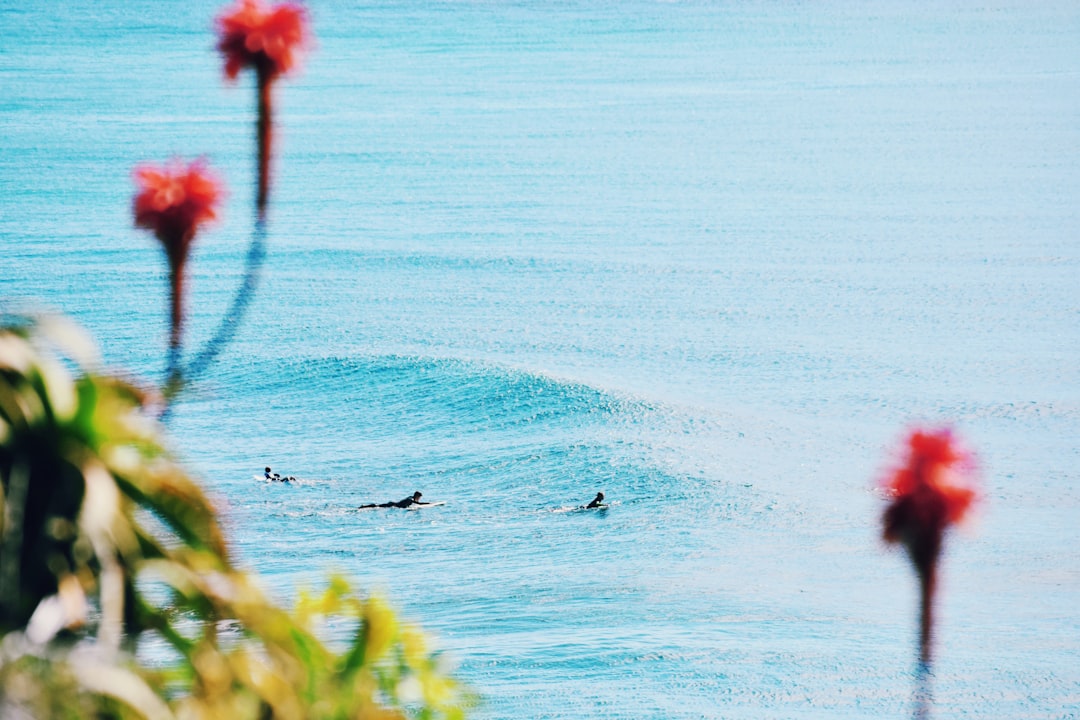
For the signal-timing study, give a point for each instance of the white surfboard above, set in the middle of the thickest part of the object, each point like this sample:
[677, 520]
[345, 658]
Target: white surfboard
[263, 478]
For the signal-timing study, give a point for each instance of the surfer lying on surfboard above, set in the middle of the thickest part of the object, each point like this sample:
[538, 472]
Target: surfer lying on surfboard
[597, 501]
[275, 477]
[413, 499]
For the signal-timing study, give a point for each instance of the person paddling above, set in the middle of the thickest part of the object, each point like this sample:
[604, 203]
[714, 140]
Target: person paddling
[275, 477]
[597, 501]
[413, 499]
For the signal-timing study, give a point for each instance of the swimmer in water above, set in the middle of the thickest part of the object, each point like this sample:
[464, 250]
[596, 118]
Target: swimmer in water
[275, 477]
[413, 499]
[597, 501]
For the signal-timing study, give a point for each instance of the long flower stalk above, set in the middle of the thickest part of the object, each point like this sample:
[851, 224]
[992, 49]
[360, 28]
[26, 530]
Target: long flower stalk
[265, 133]
[928, 493]
[174, 202]
[266, 40]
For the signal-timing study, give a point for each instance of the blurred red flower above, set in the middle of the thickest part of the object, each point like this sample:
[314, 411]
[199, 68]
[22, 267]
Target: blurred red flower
[929, 493]
[266, 40]
[174, 201]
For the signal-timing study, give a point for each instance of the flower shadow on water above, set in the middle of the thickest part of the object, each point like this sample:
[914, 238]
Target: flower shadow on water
[230, 321]
[237, 309]
[923, 694]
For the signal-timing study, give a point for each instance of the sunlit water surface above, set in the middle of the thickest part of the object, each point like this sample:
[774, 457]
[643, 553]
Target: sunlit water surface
[709, 258]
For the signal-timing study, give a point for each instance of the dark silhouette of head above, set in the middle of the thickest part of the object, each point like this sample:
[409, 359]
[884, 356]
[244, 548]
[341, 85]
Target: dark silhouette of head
[599, 496]
[416, 495]
[268, 469]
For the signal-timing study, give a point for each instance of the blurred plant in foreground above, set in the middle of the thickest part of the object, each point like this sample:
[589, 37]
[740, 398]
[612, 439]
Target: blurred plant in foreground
[97, 522]
[928, 492]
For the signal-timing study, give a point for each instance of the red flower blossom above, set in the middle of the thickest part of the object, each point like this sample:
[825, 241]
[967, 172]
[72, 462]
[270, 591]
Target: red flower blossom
[173, 201]
[928, 494]
[267, 40]
[926, 497]
[264, 39]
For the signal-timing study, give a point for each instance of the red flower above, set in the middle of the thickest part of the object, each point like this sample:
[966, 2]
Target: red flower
[927, 493]
[264, 39]
[173, 201]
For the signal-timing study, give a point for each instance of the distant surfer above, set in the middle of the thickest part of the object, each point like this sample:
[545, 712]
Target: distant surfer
[597, 501]
[413, 499]
[275, 477]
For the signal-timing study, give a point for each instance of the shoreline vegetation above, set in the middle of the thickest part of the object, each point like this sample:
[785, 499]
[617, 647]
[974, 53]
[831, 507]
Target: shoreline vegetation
[83, 463]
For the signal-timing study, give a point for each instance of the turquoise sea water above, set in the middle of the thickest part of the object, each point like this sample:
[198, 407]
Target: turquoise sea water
[709, 258]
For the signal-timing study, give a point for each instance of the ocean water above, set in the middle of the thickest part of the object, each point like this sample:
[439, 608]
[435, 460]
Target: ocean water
[712, 259]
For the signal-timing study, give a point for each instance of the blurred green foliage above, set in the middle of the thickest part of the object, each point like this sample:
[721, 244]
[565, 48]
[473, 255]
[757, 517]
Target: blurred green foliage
[106, 543]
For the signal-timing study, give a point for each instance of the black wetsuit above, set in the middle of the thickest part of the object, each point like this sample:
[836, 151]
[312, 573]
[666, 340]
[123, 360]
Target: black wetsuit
[597, 502]
[407, 502]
